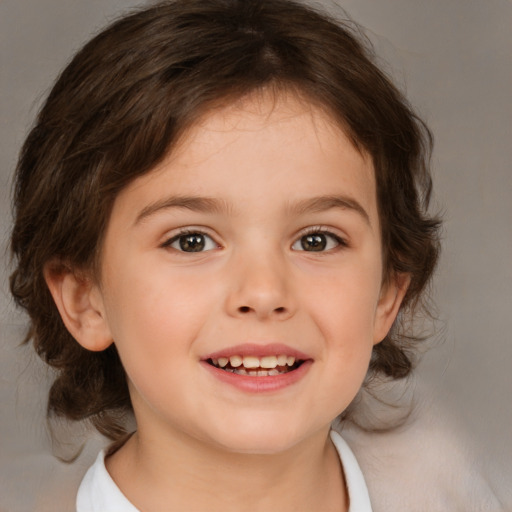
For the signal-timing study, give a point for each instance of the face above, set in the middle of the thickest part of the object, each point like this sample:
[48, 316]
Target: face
[241, 279]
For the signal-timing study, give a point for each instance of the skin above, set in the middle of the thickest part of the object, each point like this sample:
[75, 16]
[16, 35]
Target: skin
[258, 169]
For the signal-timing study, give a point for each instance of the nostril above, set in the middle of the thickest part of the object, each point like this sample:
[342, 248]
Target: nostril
[248, 309]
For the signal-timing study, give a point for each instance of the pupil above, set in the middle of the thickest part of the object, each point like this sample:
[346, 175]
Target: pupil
[192, 243]
[315, 242]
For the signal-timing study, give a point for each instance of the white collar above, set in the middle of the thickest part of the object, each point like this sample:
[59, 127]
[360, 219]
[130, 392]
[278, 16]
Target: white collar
[99, 493]
[359, 499]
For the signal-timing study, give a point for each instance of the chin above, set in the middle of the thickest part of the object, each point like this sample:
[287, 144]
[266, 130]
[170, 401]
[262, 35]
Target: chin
[259, 438]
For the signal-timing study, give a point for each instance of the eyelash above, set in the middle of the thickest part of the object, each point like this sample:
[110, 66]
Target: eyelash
[188, 232]
[339, 241]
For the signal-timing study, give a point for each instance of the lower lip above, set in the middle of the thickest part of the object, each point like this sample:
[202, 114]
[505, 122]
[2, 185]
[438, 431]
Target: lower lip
[259, 384]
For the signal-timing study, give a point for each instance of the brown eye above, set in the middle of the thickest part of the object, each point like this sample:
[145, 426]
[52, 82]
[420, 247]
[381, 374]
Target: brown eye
[318, 241]
[314, 242]
[192, 242]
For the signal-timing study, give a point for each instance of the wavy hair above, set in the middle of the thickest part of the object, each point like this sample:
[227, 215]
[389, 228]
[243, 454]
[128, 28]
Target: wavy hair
[120, 106]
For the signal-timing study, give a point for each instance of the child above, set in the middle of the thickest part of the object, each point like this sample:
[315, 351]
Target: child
[220, 212]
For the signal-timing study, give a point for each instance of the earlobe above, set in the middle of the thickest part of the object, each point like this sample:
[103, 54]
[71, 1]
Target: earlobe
[391, 297]
[80, 306]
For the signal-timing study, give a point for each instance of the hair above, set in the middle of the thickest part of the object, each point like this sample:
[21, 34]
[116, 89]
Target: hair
[120, 106]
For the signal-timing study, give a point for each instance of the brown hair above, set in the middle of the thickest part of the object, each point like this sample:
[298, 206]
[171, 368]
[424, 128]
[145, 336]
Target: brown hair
[120, 105]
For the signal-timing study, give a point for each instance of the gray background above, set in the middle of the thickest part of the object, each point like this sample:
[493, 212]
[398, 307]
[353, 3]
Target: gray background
[453, 59]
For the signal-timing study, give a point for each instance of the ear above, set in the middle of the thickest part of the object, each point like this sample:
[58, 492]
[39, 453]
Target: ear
[392, 293]
[80, 304]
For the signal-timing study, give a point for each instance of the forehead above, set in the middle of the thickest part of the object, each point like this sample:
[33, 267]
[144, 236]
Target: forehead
[266, 148]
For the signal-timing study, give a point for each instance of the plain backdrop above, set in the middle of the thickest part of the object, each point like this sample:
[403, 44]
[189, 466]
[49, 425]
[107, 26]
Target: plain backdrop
[453, 58]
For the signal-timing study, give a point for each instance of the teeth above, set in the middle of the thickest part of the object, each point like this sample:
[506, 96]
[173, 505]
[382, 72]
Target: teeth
[235, 361]
[265, 365]
[268, 362]
[255, 373]
[251, 362]
[281, 360]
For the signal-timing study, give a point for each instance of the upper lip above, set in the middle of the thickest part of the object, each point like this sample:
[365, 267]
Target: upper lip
[258, 350]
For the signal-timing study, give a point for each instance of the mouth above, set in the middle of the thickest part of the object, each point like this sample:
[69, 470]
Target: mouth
[253, 366]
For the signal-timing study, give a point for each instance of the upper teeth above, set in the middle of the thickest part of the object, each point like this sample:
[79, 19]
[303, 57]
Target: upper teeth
[255, 362]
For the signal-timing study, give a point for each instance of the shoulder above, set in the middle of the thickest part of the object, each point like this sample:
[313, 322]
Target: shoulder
[427, 464]
[99, 493]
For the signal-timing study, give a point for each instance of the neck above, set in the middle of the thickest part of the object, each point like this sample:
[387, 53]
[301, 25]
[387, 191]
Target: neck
[187, 474]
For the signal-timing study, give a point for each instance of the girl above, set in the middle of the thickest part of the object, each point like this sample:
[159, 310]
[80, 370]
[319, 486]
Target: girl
[220, 214]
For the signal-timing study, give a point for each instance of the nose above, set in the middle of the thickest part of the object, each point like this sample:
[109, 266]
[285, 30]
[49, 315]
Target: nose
[260, 287]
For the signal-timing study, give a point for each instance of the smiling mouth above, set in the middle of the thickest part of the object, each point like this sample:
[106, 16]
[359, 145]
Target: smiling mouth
[256, 366]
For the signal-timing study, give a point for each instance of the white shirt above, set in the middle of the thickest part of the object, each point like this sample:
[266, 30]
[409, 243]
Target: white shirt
[99, 493]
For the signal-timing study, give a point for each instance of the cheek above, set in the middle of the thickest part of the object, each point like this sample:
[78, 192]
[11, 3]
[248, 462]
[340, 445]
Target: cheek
[343, 308]
[148, 292]
[153, 328]
[153, 317]
[344, 303]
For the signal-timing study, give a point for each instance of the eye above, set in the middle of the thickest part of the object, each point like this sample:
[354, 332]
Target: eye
[318, 241]
[191, 242]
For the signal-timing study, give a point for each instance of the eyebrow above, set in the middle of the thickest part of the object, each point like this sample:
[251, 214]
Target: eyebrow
[324, 203]
[197, 204]
[211, 205]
